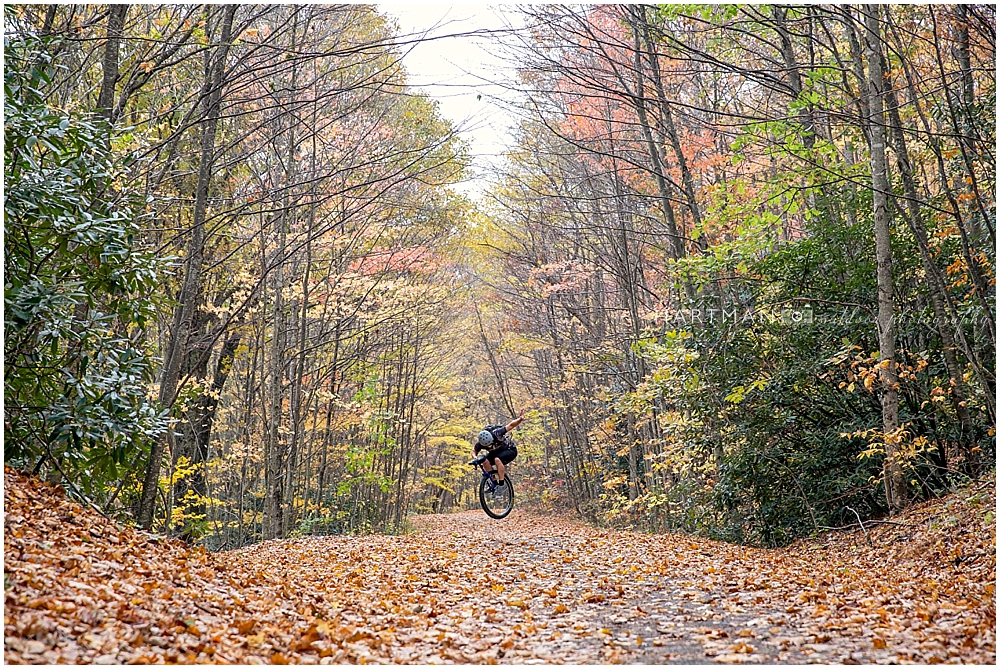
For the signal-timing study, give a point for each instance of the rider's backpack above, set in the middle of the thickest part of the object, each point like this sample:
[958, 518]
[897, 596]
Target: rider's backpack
[499, 442]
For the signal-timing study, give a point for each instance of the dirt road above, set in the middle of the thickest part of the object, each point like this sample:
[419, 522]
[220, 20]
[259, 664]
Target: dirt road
[526, 590]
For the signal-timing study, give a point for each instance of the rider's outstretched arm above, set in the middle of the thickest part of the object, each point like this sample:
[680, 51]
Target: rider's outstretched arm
[514, 423]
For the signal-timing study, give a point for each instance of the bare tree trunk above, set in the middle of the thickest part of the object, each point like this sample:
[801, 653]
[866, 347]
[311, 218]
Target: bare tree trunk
[278, 454]
[106, 98]
[274, 450]
[203, 417]
[986, 379]
[669, 126]
[966, 145]
[805, 115]
[191, 288]
[970, 133]
[633, 457]
[895, 480]
[934, 284]
[639, 100]
[49, 20]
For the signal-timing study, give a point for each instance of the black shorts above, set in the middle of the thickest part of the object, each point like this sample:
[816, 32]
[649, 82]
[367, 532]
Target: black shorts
[506, 455]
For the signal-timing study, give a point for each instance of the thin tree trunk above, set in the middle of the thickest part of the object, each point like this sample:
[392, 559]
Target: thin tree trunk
[986, 379]
[895, 480]
[639, 100]
[49, 20]
[967, 148]
[931, 272]
[106, 97]
[191, 288]
[669, 126]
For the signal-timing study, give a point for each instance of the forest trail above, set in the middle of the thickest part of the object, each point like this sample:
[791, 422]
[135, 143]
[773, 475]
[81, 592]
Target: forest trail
[526, 590]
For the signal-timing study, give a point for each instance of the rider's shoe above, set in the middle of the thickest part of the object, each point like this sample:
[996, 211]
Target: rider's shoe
[501, 484]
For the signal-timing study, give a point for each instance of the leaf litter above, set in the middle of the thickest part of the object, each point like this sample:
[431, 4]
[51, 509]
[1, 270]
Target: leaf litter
[80, 588]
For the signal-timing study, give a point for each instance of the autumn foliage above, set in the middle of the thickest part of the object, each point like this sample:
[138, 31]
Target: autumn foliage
[739, 311]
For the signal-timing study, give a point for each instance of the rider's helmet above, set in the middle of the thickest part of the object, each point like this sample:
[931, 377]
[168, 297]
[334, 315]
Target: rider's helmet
[485, 438]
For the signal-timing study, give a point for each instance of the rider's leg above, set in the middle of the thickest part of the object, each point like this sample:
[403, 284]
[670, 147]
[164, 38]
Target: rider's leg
[500, 470]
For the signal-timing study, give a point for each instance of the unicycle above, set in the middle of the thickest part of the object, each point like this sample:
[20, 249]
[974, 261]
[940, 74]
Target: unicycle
[496, 500]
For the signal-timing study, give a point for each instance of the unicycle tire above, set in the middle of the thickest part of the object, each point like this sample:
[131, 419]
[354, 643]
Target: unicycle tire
[498, 503]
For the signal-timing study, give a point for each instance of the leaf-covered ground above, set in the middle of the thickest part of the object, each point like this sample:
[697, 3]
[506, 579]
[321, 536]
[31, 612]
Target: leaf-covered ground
[526, 590]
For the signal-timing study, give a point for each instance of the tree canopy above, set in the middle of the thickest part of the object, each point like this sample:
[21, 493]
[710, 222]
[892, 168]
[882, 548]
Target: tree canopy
[738, 265]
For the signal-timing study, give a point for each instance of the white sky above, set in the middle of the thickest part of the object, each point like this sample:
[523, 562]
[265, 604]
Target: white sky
[456, 70]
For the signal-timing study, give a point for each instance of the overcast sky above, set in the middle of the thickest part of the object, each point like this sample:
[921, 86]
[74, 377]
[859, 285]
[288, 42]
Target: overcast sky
[456, 71]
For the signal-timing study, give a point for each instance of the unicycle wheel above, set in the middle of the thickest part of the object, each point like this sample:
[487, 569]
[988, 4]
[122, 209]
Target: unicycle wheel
[499, 502]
